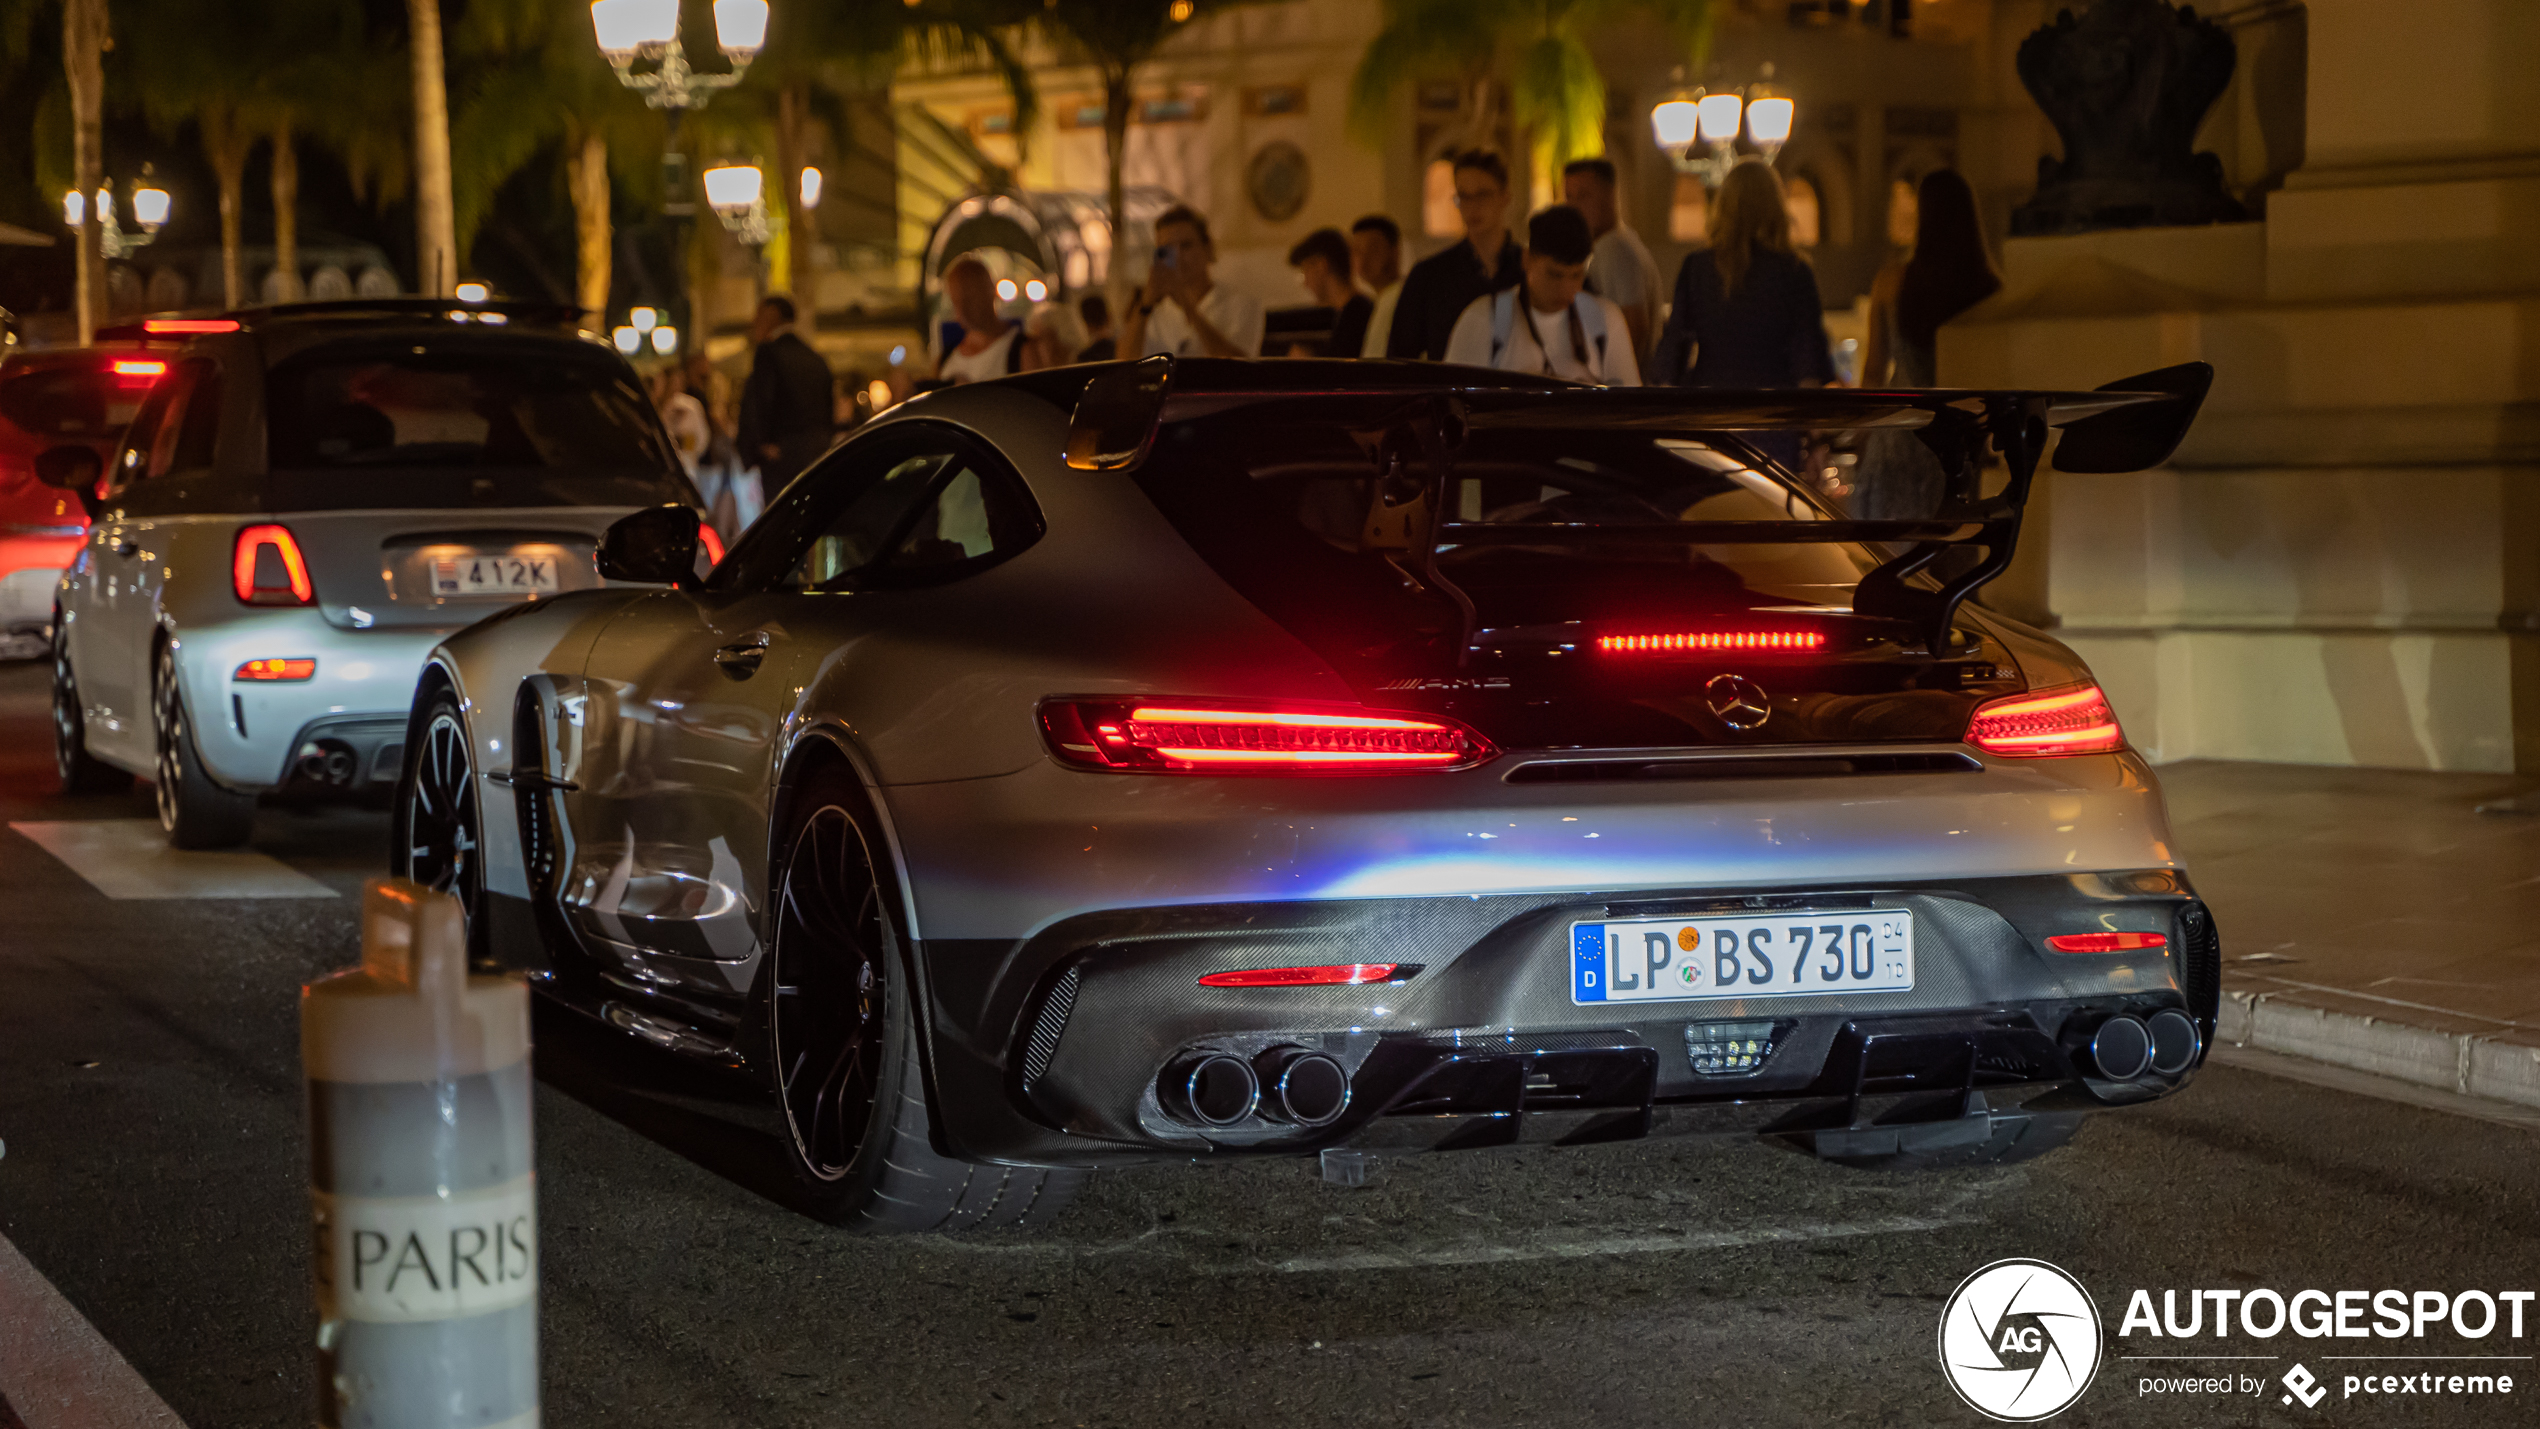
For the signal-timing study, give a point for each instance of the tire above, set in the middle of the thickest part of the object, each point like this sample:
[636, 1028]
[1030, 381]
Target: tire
[197, 813]
[842, 1047]
[81, 772]
[438, 826]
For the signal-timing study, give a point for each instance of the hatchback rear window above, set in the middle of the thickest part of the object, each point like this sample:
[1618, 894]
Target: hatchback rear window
[513, 427]
[73, 403]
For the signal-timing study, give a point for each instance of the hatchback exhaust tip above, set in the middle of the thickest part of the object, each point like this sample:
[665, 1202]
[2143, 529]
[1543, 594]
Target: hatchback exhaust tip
[1213, 1090]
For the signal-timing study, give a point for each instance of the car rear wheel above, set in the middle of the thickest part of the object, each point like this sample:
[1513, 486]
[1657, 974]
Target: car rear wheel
[82, 772]
[440, 838]
[196, 812]
[842, 1044]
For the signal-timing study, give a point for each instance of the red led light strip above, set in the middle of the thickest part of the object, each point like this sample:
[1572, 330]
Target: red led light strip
[1267, 737]
[188, 325]
[1712, 640]
[2106, 942]
[2068, 721]
[140, 367]
[1332, 975]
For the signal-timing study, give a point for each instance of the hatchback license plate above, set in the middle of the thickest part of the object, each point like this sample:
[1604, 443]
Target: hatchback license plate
[1776, 955]
[491, 574]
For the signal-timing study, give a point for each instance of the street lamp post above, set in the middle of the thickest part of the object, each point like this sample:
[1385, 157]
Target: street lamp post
[634, 33]
[1699, 128]
[149, 210]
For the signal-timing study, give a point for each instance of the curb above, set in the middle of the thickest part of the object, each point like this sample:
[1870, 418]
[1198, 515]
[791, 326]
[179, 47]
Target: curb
[2466, 1063]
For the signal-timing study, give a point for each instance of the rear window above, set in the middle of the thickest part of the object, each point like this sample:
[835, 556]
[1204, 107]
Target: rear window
[522, 427]
[1290, 512]
[73, 403]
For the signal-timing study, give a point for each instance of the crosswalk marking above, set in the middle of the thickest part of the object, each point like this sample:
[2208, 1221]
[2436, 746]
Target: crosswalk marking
[130, 858]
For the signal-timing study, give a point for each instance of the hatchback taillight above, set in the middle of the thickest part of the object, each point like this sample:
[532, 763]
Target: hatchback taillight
[2072, 720]
[1205, 737]
[266, 568]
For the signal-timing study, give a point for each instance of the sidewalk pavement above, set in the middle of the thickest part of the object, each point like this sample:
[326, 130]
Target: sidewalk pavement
[2372, 919]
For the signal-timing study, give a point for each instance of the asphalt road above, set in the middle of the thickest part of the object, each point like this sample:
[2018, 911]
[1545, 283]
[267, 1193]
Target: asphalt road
[150, 1106]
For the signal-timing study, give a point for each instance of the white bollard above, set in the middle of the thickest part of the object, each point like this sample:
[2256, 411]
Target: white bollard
[422, 1178]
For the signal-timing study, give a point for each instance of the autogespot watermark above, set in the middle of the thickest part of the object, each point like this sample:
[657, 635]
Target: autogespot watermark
[2021, 1341]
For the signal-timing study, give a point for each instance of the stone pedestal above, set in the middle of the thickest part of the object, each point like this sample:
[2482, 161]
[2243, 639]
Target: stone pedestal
[2342, 564]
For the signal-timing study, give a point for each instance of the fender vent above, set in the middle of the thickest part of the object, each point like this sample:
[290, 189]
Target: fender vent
[534, 807]
[2200, 967]
[1056, 1004]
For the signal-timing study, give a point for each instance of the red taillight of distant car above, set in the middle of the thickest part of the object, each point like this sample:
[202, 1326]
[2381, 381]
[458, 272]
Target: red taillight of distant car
[2107, 942]
[266, 568]
[2073, 720]
[1328, 975]
[1691, 642]
[141, 370]
[285, 669]
[713, 544]
[1199, 737]
[187, 327]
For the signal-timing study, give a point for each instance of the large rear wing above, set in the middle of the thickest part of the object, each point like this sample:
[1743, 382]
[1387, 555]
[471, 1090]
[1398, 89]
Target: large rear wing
[1415, 422]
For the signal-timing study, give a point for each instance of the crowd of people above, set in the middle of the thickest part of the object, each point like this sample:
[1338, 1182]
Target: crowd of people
[1578, 298]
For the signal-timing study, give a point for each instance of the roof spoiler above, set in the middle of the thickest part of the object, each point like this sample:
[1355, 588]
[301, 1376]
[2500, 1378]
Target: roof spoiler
[2128, 425]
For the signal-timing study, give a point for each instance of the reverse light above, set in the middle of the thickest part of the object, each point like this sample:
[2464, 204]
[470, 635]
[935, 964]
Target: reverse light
[140, 367]
[1194, 737]
[2072, 720]
[1711, 640]
[1329, 975]
[2107, 942]
[177, 327]
[283, 669]
[266, 568]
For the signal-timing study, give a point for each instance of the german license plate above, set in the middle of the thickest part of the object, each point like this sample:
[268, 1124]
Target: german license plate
[491, 573]
[1771, 955]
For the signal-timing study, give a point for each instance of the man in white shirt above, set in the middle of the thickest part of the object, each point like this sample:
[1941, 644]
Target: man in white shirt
[987, 348]
[1546, 324]
[1180, 310]
[1622, 268]
[1375, 250]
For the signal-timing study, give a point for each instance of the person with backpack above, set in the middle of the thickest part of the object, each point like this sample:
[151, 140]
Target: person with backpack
[1549, 323]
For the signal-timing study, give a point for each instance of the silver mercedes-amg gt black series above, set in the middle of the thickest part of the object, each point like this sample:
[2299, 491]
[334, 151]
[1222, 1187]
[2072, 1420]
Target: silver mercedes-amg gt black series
[1217, 758]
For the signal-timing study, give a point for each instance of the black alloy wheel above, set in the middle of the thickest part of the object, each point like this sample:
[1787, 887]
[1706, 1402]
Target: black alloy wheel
[440, 835]
[81, 772]
[196, 812]
[827, 994]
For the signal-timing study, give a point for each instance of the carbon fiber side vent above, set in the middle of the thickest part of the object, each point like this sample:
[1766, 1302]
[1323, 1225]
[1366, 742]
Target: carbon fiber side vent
[1056, 1004]
[2200, 967]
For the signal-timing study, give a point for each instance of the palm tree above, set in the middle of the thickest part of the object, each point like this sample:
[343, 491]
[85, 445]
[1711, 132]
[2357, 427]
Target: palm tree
[84, 39]
[436, 235]
[211, 76]
[1553, 89]
[534, 78]
[331, 85]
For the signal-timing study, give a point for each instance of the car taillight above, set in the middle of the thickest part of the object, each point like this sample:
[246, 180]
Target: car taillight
[1194, 737]
[183, 327]
[2106, 942]
[276, 669]
[713, 544]
[1700, 640]
[266, 568]
[1329, 975]
[2074, 720]
[148, 370]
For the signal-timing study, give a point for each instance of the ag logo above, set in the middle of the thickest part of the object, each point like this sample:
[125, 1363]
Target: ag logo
[2019, 1340]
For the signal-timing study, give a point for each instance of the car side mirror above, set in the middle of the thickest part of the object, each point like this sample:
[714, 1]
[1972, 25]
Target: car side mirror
[657, 545]
[72, 467]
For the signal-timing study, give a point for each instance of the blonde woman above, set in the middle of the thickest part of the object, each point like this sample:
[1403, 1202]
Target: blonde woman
[1747, 312]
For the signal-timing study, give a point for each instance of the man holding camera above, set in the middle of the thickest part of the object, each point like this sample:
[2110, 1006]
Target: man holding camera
[1180, 310]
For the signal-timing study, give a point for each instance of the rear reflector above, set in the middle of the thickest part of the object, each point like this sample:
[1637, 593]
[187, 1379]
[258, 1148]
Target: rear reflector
[276, 670]
[1194, 737]
[1698, 640]
[141, 367]
[2107, 942]
[1331, 975]
[266, 568]
[2074, 720]
[178, 327]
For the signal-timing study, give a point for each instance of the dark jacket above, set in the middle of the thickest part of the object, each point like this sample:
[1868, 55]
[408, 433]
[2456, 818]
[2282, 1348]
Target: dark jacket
[786, 404]
[1439, 288]
[1349, 326]
[1771, 334]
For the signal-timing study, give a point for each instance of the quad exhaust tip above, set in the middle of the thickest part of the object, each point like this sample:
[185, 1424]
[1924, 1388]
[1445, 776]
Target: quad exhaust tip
[1305, 1088]
[1284, 1084]
[2122, 1048]
[2174, 1042]
[1212, 1090]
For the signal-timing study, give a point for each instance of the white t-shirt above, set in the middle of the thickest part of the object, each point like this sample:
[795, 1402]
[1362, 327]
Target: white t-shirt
[987, 363]
[1230, 312]
[1620, 268]
[1471, 340]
